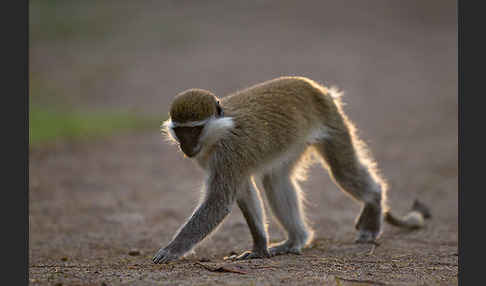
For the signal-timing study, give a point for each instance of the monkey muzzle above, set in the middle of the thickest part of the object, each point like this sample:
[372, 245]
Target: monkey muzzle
[189, 151]
[188, 138]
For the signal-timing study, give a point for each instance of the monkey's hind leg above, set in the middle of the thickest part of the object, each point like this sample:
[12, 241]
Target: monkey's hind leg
[285, 200]
[353, 171]
[251, 206]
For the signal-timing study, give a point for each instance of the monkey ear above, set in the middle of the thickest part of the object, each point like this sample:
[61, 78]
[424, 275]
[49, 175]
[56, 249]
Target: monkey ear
[219, 110]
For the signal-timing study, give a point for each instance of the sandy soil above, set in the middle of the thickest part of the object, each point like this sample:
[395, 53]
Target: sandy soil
[91, 203]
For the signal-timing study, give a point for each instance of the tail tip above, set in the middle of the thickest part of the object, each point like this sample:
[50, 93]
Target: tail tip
[421, 208]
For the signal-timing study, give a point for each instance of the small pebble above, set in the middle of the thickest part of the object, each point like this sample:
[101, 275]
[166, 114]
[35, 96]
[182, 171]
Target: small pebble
[64, 258]
[134, 252]
[204, 259]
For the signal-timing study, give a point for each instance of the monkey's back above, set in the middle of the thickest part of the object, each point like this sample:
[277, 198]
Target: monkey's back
[276, 115]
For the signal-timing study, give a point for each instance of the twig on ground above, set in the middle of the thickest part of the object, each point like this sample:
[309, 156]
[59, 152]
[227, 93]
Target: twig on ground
[222, 268]
[360, 281]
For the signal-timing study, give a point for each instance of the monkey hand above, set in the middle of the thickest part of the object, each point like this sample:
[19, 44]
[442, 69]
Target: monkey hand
[165, 255]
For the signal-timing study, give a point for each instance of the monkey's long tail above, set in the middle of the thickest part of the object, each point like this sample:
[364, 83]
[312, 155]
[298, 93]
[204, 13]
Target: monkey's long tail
[413, 220]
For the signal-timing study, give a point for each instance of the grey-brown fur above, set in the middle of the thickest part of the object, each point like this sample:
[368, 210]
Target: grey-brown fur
[266, 133]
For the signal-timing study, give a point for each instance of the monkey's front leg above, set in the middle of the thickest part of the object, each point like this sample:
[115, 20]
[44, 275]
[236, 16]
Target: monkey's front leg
[251, 206]
[215, 207]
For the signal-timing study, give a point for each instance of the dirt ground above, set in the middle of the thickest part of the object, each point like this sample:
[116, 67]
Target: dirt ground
[91, 203]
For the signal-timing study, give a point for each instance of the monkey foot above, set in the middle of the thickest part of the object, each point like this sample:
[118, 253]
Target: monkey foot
[366, 236]
[285, 248]
[250, 255]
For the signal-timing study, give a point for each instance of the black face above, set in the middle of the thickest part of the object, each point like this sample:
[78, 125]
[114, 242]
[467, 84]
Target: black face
[189, 139]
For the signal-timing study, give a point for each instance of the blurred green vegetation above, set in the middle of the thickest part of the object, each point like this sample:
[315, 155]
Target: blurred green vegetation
[55, 112]
[54, 115]
[47, 125]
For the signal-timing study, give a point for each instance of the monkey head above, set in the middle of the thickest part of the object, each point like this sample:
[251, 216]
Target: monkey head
[195, 116]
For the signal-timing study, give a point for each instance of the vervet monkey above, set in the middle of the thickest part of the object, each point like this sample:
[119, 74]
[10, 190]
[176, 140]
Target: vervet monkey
[267, 132]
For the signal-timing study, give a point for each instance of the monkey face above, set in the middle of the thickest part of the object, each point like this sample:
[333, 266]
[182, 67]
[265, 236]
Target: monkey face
[188, 138]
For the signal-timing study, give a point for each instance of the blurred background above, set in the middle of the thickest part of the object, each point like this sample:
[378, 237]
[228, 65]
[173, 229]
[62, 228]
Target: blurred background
[132, 58]
[102, 75]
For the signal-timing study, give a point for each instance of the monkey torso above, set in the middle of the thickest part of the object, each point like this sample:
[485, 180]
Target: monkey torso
[275, 116]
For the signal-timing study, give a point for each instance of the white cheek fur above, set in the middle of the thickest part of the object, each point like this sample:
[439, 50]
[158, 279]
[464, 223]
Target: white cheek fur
[214, 129]
[168, 131]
